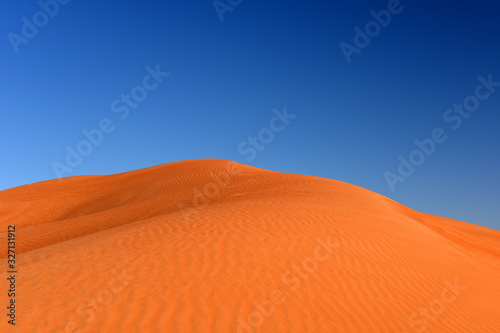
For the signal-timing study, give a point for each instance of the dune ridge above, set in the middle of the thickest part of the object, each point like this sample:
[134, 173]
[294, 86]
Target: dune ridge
[217, 246]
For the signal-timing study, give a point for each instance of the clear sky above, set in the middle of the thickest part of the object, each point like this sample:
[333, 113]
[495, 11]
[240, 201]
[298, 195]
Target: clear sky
[316, 92]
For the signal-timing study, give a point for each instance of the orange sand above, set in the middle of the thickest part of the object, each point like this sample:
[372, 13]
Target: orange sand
[172, 249]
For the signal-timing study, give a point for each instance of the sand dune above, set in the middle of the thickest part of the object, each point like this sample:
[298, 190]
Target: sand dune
[217, 246]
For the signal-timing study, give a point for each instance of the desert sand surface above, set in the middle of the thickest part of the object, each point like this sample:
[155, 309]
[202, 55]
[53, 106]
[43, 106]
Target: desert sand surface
[216, 246]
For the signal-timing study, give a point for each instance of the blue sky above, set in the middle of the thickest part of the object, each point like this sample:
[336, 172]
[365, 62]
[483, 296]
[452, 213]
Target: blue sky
[353, 119]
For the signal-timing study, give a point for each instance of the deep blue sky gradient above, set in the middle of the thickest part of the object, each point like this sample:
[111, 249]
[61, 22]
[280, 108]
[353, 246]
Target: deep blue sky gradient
[353, 120]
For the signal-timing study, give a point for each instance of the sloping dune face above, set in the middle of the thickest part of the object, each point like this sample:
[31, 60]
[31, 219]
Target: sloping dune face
[217, 246]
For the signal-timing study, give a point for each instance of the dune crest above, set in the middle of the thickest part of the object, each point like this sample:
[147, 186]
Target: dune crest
[216, 246]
